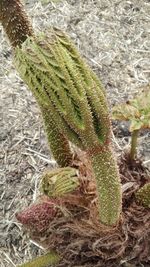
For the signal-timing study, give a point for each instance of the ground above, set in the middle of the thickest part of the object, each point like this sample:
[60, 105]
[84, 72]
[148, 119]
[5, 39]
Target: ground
[113, 37]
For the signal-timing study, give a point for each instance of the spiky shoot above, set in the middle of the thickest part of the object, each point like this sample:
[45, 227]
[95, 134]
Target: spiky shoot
[143, 195]
[75, 100]
[59, 182]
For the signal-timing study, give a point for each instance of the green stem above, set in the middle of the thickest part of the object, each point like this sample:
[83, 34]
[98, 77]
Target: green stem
[43, 261]
[133, 151]
[108, 186]
[59, 144]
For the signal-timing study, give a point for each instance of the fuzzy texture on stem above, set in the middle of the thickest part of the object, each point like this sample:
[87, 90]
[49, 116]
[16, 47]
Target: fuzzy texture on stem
[63, 83]
[59, 144]
[49, 259]
[15, 21]
[143, 195]
[106, 171]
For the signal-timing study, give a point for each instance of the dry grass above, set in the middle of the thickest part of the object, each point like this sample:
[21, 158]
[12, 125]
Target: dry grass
[113, 37]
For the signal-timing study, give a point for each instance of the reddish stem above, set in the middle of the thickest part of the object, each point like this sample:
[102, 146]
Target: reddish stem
[15, 21]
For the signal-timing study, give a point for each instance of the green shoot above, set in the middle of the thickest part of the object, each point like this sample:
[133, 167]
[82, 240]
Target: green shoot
[137, 111]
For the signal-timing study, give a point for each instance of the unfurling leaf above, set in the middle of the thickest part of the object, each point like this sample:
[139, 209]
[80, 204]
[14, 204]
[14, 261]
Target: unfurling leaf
[125, 112]
[60, 181]
[135, 125]
[137, 111]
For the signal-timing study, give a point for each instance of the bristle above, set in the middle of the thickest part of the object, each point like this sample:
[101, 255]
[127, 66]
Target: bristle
[15, 21]
[73, 99]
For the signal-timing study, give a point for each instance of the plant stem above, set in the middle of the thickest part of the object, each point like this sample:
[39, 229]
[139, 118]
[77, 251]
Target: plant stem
[59, 144]
[15, 21]
[43, 261]
[133, 151]
[108, 186]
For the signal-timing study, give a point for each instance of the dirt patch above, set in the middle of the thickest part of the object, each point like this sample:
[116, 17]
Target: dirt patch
[113, 37]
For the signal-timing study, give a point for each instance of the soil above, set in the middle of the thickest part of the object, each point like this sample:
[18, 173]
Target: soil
[113, 37]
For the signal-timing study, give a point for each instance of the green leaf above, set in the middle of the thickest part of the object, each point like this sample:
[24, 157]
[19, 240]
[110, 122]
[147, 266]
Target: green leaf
[137, 111]
[136, 125]
[125, 112]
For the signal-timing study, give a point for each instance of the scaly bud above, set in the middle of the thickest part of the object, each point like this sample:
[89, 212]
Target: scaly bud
[37, 217]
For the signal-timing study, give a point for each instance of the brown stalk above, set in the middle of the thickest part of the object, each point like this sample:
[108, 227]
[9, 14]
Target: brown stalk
[15, 21]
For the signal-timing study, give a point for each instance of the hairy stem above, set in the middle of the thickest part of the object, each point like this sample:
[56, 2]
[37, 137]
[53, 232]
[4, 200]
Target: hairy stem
[108, 186]
[15, 21]
[48, 259]
[59, 144]
[134, 138]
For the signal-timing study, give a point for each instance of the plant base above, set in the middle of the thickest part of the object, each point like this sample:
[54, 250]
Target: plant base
[82, 241]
